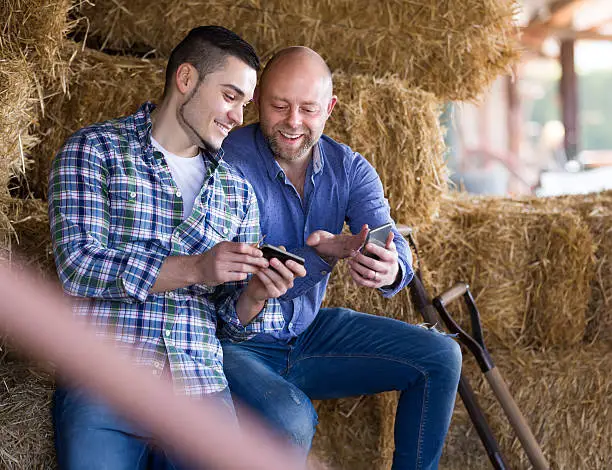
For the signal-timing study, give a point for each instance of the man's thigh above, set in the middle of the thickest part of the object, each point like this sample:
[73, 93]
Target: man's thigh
[90, 435]
[254, 372]
[345, 353]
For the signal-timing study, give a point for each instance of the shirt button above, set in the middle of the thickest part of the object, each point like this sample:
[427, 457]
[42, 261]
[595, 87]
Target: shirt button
[133, 194]
[178, 193]
[167, 332]
[225, 230]
[323, 273]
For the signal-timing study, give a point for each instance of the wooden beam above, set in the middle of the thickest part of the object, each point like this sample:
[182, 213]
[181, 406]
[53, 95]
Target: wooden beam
[514, 117]
[562, 12]
[534, 37]
[569, 98]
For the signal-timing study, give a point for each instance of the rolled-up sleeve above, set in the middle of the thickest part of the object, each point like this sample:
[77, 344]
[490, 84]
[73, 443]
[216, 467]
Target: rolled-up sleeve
[79, 220]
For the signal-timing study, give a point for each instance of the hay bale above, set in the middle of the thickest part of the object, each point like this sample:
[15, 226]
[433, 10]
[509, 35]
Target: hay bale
[453, 49]
[98, 87]
[26, 440]
[529, 269]
[396, 128]
[35, 29]
[356, 433]
[17, 111]
[31, 246]
[596, 211]
[566, 399]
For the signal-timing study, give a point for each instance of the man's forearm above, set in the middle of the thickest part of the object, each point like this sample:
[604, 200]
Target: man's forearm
[247, 308]
[177, 272]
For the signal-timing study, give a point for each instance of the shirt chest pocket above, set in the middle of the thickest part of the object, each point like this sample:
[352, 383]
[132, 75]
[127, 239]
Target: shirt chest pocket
[219, 225]
[132, 213]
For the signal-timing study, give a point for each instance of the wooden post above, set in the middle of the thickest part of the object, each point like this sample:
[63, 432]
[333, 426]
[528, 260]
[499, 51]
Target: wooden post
[569, 98]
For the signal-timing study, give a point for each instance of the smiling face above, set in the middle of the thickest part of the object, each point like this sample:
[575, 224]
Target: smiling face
[294, 102]
[214, 105]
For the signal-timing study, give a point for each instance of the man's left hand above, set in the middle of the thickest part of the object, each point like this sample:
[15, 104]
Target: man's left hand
[375, 273]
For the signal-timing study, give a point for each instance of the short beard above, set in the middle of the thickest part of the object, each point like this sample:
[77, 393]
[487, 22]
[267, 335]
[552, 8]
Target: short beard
[202, 142]
[289, 157]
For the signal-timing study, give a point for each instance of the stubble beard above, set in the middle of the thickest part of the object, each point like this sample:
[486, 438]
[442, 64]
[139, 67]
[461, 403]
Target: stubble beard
[201, 141]
[281, 154]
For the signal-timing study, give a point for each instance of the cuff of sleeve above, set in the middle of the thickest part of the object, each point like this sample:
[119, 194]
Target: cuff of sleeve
[141, 273]
[316, 270]
[268, 320]
[407, 274]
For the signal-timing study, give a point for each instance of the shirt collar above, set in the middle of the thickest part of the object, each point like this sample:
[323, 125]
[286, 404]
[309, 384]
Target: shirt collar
[144, 126]
[272, 166]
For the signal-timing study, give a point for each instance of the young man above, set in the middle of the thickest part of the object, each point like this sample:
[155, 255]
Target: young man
[154, 237]
[308, 185]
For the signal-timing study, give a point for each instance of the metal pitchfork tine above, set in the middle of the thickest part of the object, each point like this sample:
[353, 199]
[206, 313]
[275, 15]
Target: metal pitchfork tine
[475, 343]
[422, 303]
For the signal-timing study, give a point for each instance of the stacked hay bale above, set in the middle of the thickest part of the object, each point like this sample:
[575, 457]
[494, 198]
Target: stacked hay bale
[453, 49]
[17, 102]
[530, 268]
[596, 211]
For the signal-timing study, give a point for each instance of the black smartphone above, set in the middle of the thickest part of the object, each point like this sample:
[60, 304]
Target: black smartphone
[270, 251]
[377, 236]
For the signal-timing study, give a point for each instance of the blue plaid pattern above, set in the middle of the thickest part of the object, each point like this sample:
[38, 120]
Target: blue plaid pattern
[115, 215]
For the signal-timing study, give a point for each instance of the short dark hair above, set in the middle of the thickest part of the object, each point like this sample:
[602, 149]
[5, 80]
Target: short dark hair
[207, 48]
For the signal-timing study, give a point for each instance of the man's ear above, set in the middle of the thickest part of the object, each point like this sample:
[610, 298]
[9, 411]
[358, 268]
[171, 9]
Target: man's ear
[185, 78]
[331, 104]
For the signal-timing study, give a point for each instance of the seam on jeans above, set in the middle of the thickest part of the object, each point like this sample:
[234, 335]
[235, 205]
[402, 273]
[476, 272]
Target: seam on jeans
[142, 452]
[423, 420]
[361, 356]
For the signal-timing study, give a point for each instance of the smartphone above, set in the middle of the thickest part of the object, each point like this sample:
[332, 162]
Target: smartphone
[270, 251]
[377, 236]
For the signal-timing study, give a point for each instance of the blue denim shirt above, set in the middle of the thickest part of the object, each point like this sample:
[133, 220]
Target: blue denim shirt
[341, 185]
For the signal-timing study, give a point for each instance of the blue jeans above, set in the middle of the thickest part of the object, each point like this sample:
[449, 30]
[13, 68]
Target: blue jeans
[90, 435]
[346, 353]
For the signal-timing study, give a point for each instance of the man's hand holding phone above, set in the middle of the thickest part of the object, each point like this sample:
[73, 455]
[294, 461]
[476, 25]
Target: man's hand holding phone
[375, 265]
[269, 283]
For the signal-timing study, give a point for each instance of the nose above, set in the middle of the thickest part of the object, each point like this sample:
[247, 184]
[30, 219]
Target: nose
[236, 115]
[294, 119]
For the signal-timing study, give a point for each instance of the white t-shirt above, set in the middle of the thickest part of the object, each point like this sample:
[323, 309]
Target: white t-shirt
[188, 174]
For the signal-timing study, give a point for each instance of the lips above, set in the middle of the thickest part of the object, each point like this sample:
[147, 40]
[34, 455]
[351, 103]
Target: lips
[290, 136]
[225, 128]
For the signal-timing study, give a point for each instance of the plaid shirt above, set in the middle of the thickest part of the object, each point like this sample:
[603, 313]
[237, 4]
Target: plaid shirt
[115, 215]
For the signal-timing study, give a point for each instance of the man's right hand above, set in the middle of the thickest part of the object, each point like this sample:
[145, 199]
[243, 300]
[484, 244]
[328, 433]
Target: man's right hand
[328, 245]
[229, 261]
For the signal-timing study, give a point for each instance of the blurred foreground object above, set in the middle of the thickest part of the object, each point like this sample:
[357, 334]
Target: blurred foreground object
[42, 326]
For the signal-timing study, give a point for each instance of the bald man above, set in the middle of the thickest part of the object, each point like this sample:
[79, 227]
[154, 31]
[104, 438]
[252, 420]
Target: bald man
[307, 186]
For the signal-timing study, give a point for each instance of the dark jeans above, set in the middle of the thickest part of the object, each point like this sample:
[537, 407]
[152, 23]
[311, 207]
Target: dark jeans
[90, 435]
[346, 353]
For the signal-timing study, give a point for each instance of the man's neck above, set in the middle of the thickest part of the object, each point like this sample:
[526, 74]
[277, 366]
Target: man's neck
[296, 170]
[168, 132]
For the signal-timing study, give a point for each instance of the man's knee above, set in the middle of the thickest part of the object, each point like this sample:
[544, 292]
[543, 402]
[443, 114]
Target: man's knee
[296, 418]
[449, 357]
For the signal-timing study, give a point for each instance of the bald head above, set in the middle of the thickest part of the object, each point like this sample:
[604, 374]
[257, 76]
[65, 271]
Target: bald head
[301, 59]
[294, 100]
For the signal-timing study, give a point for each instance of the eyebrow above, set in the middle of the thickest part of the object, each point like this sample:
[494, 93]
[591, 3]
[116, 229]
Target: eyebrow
[235, 88]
